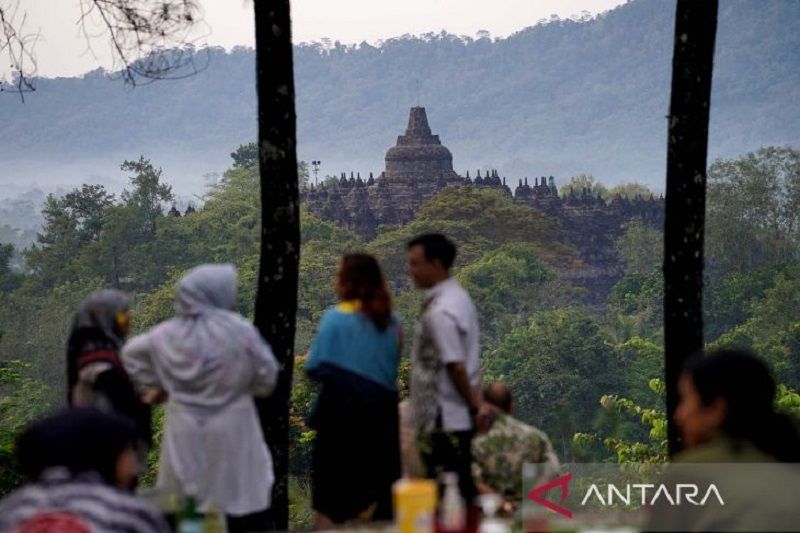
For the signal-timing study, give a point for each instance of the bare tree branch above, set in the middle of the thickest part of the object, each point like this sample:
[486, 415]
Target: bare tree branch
[17, 46]
[149, 39]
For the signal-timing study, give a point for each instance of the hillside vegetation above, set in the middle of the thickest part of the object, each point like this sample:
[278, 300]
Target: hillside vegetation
[558, 355]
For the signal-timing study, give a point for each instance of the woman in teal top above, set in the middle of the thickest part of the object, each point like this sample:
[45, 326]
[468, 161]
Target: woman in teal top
[355, 355]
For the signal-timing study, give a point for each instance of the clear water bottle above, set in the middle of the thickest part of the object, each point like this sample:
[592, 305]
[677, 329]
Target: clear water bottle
[490, 504]
[453, 513]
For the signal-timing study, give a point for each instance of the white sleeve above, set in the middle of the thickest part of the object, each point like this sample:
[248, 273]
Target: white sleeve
[447, 336]
[138, 362]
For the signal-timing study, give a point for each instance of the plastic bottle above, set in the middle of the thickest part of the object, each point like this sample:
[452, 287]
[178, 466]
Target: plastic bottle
[453, 513]
[214, 521]
[489, 504]
[190, 521]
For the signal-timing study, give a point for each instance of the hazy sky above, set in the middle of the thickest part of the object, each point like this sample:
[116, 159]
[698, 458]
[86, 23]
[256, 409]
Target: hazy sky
[62, 50]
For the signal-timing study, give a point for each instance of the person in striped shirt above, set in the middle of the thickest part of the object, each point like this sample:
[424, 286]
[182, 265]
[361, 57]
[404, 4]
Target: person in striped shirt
[83, 465]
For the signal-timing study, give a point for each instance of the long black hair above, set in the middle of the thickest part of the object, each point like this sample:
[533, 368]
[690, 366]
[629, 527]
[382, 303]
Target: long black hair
[746, 385]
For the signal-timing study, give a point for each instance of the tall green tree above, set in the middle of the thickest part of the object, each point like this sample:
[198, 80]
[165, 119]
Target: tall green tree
[245, 156]
[89, 207]
[56, 247]
[148, 193]
[753, 210]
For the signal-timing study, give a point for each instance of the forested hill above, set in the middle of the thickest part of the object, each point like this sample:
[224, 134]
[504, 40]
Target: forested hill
[558, 98]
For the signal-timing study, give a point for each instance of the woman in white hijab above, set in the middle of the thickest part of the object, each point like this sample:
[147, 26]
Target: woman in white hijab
[210, 362]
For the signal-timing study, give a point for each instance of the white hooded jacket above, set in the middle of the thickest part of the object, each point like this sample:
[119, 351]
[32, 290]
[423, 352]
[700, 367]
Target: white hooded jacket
[211, 362]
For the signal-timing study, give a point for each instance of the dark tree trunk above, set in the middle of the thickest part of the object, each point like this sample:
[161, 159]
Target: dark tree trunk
[276, 299]
[692, 64]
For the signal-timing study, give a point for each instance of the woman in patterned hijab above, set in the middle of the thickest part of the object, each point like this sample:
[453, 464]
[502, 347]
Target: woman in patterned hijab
[95, 375]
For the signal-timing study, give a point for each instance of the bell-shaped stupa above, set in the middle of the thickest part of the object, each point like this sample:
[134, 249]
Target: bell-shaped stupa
[419, 155]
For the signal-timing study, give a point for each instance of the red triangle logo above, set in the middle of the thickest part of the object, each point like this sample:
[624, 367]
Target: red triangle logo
[537, 495]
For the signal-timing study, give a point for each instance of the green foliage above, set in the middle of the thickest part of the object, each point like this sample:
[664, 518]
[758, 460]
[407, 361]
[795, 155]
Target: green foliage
[158, 420]
[728, 298]
[324, 243]
[507, 255]
[636, 301]
[478, 220]
[507, 285]
[578, 183]
[246, 156]
[56, 247]
[787, 401]
[652, 449]
[9, 278]
[641, 247]
[148, 194]
[555, 367]
[301, 436]
[36, 328]
[641, 360]
[752, 257]
[87, 234]
[636, 306]
[22, 400]
[630, 190]
[773, 329]
[753, 210]
[151, 308]
[301, 513]
[557, 357]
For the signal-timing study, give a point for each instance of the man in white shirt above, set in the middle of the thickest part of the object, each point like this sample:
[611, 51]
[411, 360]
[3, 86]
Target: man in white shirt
[445, 374]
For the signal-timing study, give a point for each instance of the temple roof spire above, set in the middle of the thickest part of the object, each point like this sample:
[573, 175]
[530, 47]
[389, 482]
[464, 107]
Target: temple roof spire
[418, 123]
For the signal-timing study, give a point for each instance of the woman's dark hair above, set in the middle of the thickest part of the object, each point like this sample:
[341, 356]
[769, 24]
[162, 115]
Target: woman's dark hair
[746, 385]
[437, 247]
[78, 439]
[360, 278]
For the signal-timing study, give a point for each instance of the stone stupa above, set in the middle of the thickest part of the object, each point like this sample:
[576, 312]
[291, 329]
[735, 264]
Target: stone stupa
[419, 157]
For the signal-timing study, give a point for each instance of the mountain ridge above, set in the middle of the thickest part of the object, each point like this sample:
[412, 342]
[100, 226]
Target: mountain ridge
[561, 98]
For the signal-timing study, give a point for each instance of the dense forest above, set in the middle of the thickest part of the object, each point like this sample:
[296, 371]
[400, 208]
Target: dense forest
[567, 97]
[588, 375]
